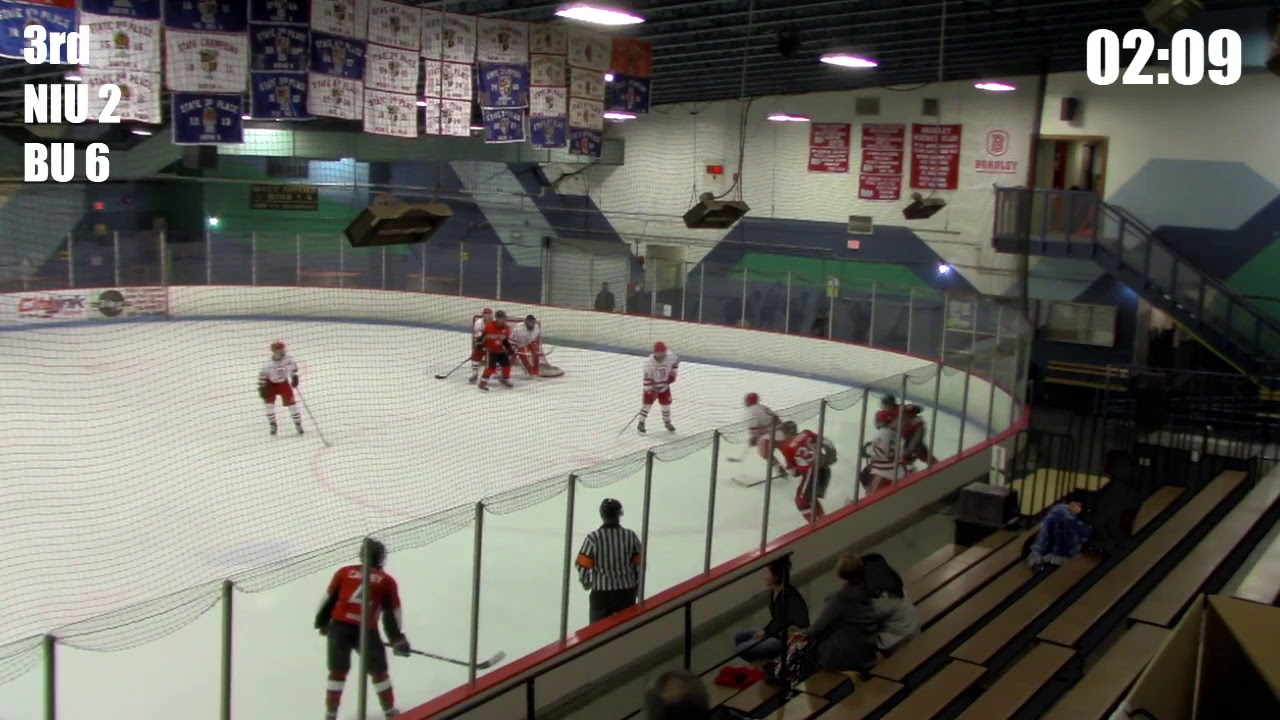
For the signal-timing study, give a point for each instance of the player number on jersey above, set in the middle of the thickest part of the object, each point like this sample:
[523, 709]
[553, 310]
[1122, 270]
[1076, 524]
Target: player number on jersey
[357, 595]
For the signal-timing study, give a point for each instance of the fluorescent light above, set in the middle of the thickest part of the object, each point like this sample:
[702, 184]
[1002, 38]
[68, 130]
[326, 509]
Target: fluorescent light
[784, 117]
[246, 117]
[422, 103]
[598, 15]
[846, 60]
[944, 269]
[608, 77]
[140, 131]
[72, 77]
[213, 222]
[995, 87]
[477, 127]
[612, 115]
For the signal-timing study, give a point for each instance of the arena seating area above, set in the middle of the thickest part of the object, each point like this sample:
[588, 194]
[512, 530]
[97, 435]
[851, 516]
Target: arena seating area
[1002, 641]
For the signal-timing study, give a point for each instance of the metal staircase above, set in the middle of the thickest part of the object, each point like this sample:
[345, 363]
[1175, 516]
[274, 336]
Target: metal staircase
[1062, 223]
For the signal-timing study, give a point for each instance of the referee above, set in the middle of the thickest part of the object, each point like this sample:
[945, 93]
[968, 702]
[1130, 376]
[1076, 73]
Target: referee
[609, 564]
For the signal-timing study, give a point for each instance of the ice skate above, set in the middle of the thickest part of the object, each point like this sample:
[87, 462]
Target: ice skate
[669, 426]
[505, 382]
[640, 427]
[274, 428]
[483, 386]
[298, 424]
[473, 378]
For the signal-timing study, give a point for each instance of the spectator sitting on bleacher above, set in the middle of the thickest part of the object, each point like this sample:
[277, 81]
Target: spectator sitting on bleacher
[894, 610]
[787, 609]
[845, 632]
[677, 695]
[1062, 535]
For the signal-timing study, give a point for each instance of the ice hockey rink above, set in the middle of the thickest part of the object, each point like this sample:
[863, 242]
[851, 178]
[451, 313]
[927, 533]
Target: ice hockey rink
[138, 465]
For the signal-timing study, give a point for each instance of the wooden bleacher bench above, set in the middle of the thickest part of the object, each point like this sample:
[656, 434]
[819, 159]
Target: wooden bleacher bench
[1096, 377]
[1105, 685]
[926, 584]
[931, 563]
[864, 701]
[969, 582]
[1151, 508]
[928, 644]
[1262, 583]
[800, 707]
[1077, 620]
[1045, 487]
[1019, 684]
[939, 692]
[1164, 605]
[752, 698]
[997, 634]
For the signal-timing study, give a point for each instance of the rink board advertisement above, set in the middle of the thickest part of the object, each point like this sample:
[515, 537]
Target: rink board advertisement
[100, 304]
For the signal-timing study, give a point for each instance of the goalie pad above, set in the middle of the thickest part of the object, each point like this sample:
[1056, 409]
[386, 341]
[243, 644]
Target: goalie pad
[547, 370]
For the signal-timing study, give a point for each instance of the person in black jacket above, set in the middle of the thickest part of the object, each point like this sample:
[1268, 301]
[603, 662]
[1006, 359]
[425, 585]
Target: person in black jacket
[845, 632]
[787, 609]
[604, 299]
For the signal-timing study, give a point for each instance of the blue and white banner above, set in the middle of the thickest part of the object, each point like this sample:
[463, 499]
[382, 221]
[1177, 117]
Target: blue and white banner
[122, 42]
[14, 17]
[337, 17]
[549, 102]
[628, 94]
[548, 133]
[288, 12]
[335, 97]
[208, 119]
[504, 86]
[390, 114]
[584, 142]
[338, 56]
[279, 96]
[505, 42]
[202, 62]
[229, 16]
[139, 93]
[392, 70]
[136, 9]
[504, 125]
[395, 25]
[279, 48]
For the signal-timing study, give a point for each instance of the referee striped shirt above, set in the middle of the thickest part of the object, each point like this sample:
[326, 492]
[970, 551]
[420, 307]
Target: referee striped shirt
[610, 558]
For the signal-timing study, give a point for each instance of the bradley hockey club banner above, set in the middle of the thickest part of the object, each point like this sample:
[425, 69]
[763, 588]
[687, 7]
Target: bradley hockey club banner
[208, 119]
[280, 50]
[15, 16]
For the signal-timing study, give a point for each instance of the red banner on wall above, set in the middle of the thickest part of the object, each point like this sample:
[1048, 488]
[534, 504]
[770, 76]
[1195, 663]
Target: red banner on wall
[65, 4]
[935, 156]
[829, 147]
[880, 174]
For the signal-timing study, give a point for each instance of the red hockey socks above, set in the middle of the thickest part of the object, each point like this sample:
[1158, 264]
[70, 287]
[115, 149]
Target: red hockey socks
[506, 371]
[333, 695]
[386, 694]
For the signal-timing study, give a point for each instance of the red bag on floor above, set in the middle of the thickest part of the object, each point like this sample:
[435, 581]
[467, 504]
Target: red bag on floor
[739, 678]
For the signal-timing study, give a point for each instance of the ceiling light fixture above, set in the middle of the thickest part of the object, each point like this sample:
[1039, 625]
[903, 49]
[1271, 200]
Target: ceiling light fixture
[246, 117]
[595, 15]
[995, 87]
[845, 60]
[780, 117]
[608, 77]
[72, 77]
[140, 131]
[618, 116]
[422, 103]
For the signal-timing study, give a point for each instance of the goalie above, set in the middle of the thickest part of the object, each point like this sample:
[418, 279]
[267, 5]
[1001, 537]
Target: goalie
[527, 340]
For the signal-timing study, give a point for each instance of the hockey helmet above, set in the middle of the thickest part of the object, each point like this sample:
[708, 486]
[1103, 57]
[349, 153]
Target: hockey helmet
[610, 510]
[659, 347]
[888, 401]
[790, 428]
[883, 418]
[374, 551]
[486, 312]
[751, 399]
[500, 315]
[913, 410]
[530, 321]
[277, 347]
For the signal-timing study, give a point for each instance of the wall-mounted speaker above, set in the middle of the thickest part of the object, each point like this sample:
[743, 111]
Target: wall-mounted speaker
[712, 214]
[397, 224]
[1070, 111]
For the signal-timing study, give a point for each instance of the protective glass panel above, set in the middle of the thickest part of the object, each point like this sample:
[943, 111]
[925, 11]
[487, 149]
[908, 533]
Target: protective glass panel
[678, 517]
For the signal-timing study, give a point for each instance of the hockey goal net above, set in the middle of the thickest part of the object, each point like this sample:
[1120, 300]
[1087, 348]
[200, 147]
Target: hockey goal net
[545, 368]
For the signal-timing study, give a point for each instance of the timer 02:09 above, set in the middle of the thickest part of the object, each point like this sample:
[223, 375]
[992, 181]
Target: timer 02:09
[1186, 56]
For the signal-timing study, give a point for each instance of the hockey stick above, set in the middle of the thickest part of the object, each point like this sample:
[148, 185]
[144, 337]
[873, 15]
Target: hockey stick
[628, 425]
[312, 417]
[441, 376]
[483, 665]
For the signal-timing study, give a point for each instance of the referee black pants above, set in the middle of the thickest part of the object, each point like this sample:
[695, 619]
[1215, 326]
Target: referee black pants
[608, 602]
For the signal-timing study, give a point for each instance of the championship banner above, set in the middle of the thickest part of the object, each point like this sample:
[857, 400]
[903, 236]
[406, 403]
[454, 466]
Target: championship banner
[134, 9]
[431, 116]
[548, 40]
[503, 125]
[631, 64]
[392, 114]
[206, 62]
[432, 79]
[457, 81]
[548, 71]
[935, 156]
[123, 43]
[548, 87]
[457, 38]
[14, 17]
[829, 147]
[590, 50]
[336, 17]
[340, 56]
[503, 42]
[395, 25]
[880, 172]
[335, 97]
[280, 12]
[279, 48]
[547, 133]
[455, 118]
[586, 84]
[586, 114]
[208, 119]
[585, 143]
[549, 102]
[628, 94]
[504, 86]
[392, 70]
[224, 16]
[139, 93]
[279, 96]
[586, 94]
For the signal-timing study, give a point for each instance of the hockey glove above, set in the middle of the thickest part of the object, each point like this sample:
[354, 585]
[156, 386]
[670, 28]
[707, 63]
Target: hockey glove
[262, 391]
[294, 381]
[401, 647]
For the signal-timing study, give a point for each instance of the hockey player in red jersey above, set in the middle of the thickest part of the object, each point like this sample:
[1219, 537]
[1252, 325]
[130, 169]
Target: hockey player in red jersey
[496, 343]
[801, 450]
[914, 428]
[477, 343]
[339, 620]
[660, 370]
[278, 380]
[526, 339]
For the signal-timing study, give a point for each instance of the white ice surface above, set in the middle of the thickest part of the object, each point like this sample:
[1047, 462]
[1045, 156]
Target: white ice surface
[136, 463]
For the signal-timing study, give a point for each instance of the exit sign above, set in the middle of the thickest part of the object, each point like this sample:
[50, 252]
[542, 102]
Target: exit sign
[715, 169]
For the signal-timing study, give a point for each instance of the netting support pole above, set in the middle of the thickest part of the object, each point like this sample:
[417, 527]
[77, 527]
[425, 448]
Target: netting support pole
[71, 261]
[342, 264]
[423, 273]
[163, 239]
[591, 281]
[702, 288]
[862, 439]
[498, 257]
[786, 317]
[711, 501]
[644, 522]
[911, 315]
[684, 289]
[297, 259]
[871, 321]
[208, 258]
[900, 451]
[569, 563]
[768, 485]
[462, 266]
[224, 688]
[831, 314]
[653, 290]
[50, 677]
[115, 254]
[817, 461]
[384, 267]
[362, 662]
[253, 258]
[964, 406]
[946, 318]
[937, 393]
[477, 562]
[742, 320]
[991, 379]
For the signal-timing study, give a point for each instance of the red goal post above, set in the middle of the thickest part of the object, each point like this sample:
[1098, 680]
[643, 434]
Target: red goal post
[545, 368]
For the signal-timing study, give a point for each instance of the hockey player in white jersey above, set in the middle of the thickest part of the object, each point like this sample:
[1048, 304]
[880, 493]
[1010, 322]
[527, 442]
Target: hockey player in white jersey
[660, 371]
[759, 420]
[278, 380]
[526, 338]
[884, 466]
[477, 349]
